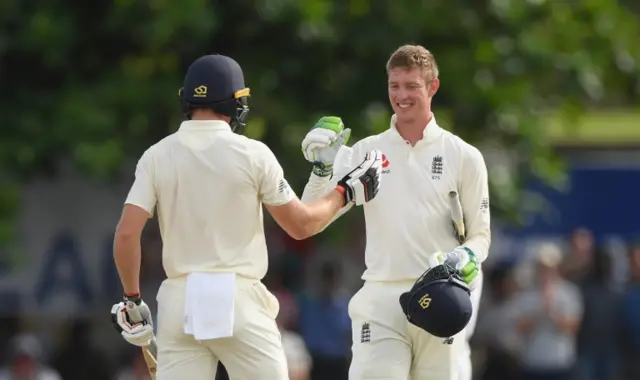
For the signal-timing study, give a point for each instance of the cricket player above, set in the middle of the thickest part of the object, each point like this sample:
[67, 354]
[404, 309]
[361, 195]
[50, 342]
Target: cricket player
[465, 367]
[209, 184]
[408, 225]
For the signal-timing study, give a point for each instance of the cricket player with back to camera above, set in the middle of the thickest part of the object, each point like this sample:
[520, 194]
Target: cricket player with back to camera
[209, 184]
[409, 231]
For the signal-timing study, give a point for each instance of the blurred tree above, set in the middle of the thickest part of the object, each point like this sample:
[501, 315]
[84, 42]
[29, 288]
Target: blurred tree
[97, 81]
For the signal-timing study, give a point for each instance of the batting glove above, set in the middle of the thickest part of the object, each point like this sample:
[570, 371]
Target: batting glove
[464, 261]
[361, 185]
[132, 319]
[322, 143]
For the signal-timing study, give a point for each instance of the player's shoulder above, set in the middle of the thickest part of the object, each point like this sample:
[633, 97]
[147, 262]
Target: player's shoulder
[463, 148]
[243, 148]
[377, 141]
[158, 148]
[258, 154]
[257, 148]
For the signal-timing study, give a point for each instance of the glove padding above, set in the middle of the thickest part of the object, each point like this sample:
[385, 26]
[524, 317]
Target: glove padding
[361, 185]
[132, 319]
[322, 143]
[464, 261]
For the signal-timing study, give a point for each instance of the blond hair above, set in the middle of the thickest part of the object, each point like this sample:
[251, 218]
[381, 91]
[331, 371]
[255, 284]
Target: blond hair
[414, 57]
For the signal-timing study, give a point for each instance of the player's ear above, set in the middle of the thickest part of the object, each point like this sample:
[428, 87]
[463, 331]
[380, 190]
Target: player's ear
[434, 85]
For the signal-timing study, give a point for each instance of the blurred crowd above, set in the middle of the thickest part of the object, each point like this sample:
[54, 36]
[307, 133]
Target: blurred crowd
[560, 311]
[561, 314]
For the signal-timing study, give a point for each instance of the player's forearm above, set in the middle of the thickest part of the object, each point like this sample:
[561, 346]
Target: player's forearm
[319, 213]
[127, 256]
[315, 188]
[302, 220]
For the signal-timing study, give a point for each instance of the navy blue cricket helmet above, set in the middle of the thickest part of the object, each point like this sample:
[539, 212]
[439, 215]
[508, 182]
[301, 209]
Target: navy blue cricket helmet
[216, 82]
[439, 302]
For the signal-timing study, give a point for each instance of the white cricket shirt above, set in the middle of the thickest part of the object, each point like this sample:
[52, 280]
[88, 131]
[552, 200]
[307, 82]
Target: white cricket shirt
[409, 220]
[208, 183]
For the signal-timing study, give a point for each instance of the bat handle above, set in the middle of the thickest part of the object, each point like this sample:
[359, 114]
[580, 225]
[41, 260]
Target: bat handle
[133, 312]
[153, 347]
[135, 316]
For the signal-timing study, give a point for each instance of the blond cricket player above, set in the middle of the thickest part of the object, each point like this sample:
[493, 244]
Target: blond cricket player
[408, 225]
[208, 185]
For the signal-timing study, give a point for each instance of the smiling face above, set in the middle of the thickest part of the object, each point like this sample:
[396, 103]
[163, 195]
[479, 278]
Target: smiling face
[410, 94]
[413, 81]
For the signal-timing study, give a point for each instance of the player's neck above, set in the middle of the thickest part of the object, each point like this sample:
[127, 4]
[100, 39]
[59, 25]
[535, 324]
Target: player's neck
[413, 131]
[208, 115]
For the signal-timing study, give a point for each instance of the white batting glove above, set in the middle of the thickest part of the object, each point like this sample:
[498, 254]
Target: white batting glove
[132, 319]
[322, 143]
[463, 260]
[361, 185]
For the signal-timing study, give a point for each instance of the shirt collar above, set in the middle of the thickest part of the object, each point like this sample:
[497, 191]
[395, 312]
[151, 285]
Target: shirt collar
[431, 131]
[204, 125]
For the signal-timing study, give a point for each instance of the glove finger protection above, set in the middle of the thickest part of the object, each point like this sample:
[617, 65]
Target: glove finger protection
[361, 185]
[464, 261]
[322, 143]
[132, 319]
[320, 146]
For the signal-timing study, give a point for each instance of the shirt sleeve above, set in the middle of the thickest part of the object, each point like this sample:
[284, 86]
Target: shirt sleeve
[474, 196]
[143, 191]
[318, 187]
[273, 188]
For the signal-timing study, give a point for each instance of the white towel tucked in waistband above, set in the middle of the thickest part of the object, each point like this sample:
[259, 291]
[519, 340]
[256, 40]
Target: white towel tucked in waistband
[209, 305]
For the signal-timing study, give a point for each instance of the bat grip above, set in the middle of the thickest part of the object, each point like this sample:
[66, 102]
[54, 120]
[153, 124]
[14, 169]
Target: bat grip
[135, 316]
[134, 313]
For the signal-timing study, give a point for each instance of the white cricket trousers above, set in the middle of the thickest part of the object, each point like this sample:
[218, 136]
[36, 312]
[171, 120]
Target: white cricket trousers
[253, 353]
[465, 365]
[387, 347]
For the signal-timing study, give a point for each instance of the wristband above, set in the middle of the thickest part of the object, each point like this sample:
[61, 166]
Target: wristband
[322, 170]
[135, 298]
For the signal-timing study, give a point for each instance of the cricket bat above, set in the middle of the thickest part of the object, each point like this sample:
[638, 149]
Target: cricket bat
[150, 352]
[457, 216]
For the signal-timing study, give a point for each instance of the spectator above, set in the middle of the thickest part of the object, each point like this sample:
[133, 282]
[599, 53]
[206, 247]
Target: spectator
[8, 326]
[289, 309]
[298, 358]
[26, 361]
[548, 317]
[600, 332]
[326, 327]
[291, 260]
[581, 251]
[631, 316]
[77, 348]
[496, 330]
